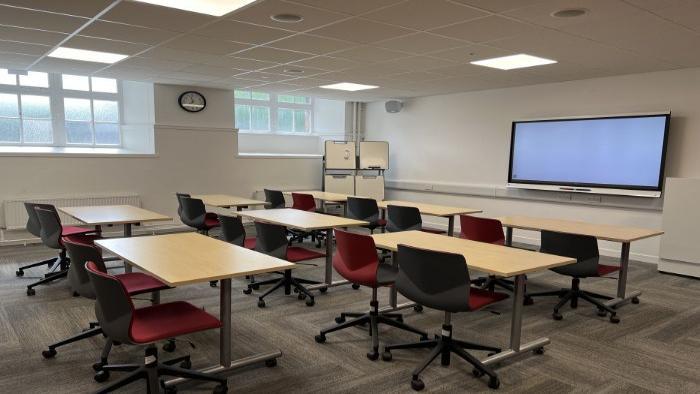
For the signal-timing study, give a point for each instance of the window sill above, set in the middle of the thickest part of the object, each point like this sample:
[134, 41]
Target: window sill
[49, 151]
[279, 156]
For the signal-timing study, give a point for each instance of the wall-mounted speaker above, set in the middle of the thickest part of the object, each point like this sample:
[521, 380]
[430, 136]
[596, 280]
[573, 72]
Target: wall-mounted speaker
[393, 106]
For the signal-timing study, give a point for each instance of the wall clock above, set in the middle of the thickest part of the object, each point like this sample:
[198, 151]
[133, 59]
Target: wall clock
[192, 101]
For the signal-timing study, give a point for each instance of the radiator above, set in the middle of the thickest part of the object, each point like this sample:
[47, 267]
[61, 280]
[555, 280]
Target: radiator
[16, 214]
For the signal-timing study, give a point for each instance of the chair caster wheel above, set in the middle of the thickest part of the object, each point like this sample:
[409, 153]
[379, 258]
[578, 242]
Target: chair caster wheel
[373, 355]
[186, 364]
[320, 338]
[539, 350]
[310, 302]
[386, 356]
[101, 376]
[417, 384]
[261, 303]
[418, 308]
[635, 300]
[19, 273]
[614, 319]
[51, 353]
[354, 286]
[340, 319]
[494, 383]
[255, 286]
[528, 301]
[169, 347]
[31, 292]
[97, 367]
[271, 363]
[248, 291]
[476, 373]
[221, 389]
[557, 316]
[213, 283]
[323, 289]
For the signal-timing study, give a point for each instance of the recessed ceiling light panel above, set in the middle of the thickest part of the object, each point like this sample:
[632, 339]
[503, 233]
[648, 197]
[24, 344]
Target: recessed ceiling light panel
[209, 7]
[287, 18]
[86, 55]
[514, 61]
[348, 86]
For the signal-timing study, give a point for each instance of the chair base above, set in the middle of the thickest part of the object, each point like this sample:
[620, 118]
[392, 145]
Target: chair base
[298, 236]
[152, 370]
[444, 346]
[48, 262]
[374, 318]
[491, 282]
[572, 296]
[288, 282]
[88, 333]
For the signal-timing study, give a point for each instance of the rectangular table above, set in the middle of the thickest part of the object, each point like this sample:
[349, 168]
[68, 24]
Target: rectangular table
[622, 234]
[308, 221]
[495, 260]
[228, 201]
[432, 210]
[126, 215]
[187, 258]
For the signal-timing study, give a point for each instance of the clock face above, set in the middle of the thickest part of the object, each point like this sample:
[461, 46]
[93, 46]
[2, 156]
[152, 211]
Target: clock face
[192, 101]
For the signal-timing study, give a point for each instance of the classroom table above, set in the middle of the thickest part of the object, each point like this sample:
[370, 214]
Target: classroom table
[496, 260]
[228, 201]
[622, 234]
[308, 221]
[327, 197]
[432, 210]
[187, 258]
[126, 215]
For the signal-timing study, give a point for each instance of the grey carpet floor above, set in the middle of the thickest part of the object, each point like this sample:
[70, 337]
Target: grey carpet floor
[655, 348]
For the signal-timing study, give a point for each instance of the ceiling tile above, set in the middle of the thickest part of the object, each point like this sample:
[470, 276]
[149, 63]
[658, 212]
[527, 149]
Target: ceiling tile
[423, 15]
[12, 16]
[187, 76]
[214, 71]
[312, 44]
[155, 64]
[605, 11]
[71, 7]
[353, 7]
[420, 43]
[285, 70]
[264, 76]
[683, 12]
[53, 65]
[369, 54]
[148, 15]
[261, 13]
[242, 32]
[279, 87]
[471, 53]
[214, 46]
[499, 5]
[16, 60]
[484, 29]
[326, 63]
[417, 63]
[244, 64]
[310, 82]
[30, 35]
[23, 48]
[415, 76]
[123, 32]
[101, 44]
[272, 55]
[361, 30]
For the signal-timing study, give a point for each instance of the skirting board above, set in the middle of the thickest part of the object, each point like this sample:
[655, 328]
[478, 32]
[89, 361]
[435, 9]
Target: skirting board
[679, 267]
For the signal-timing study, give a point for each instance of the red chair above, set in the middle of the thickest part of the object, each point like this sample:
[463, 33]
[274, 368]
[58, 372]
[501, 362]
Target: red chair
[122, 322]
[305, 202]
[489, 231]
[356, 260]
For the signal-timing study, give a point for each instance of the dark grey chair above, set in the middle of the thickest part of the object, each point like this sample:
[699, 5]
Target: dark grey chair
[402, 218]
[34, 228]
[233, 232]
[585, 250]
[180, 196]
[440, 281]
[274, 199]
[365, 209]
[194, 214]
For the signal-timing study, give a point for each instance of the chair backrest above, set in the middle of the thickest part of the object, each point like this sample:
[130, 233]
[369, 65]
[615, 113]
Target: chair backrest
[80, 254]
[114, 309]
[193, 212]
[363, 209]
[51, 229]
[356, 257]
[33, 225]
[232, 230]
[434, 279]
[401, 218]
[274, 199]
[179, 202]
[481, 229]
[304, 202]
[271, 239]
[583, 248]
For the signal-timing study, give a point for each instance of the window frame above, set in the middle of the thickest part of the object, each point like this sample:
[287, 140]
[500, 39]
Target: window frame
[273, 105]
[56, 95]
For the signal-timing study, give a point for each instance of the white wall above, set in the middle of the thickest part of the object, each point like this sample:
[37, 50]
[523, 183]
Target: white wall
[463, 139]
[194, 153]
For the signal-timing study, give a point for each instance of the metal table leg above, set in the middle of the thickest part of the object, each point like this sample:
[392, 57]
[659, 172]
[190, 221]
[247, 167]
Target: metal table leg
[127, 234]
[225, 363]
[393, 293]
[622, 296]
[515, 348]
[509, 236]
[328, 279]
[450, 226]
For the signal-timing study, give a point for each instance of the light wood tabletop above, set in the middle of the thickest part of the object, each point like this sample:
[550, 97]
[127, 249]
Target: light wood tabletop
[600, 231]
[112, 214]
[302, 220]
[493, 259]
[225, 200]
[324, 196]
[185, 258]
[430, 209]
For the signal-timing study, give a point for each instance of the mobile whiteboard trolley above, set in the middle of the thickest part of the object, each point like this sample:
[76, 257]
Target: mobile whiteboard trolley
[347, 173]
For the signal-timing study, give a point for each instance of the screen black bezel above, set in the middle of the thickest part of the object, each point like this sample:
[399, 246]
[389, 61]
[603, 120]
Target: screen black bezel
[662, 170]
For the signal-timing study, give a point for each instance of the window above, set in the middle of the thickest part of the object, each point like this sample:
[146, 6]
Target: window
[265, 112]
[40, 109]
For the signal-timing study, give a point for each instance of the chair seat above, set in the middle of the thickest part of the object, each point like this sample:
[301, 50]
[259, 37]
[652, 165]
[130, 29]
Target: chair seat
[81, 238]
[249, 243]
[157, 322]
[607, 269]
[72, 230]
[211, 222]
[139, 283]
[479, 298]
[432, 230]
[376, 223]
[295, 253]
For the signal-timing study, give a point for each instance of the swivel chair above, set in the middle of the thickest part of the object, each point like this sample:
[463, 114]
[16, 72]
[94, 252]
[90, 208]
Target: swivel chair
[274, 199]
[402, 218]
[365, 209]
[489, 231]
